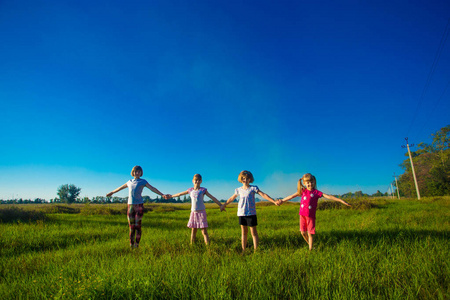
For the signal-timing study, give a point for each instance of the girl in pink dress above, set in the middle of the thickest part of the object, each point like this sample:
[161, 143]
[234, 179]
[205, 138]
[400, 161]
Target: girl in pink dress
[308, 205]
[197, 218]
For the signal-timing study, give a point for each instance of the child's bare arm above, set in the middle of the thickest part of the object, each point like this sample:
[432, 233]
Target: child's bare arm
[330, 197]
[289, 197]
[213, 198]
[177, 195]
[153, 189]
[265, 196]
[231, 199]
[117, 190]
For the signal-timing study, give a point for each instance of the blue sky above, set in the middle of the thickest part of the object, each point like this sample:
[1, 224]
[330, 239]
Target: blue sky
[88, 89]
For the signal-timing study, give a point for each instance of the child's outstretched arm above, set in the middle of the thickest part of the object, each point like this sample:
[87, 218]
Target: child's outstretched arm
[116, 190]
[330, 197]
[169, 196]
[222, 208]
[231, 199]
[288, 198]
[267, 197]
[154, 190]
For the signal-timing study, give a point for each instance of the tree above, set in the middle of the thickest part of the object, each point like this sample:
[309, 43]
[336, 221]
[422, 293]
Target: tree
[378, 194]
[68, 193]
[432, 167]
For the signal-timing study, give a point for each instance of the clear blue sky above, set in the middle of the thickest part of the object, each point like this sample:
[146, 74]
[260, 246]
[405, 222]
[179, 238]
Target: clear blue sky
[88, 89]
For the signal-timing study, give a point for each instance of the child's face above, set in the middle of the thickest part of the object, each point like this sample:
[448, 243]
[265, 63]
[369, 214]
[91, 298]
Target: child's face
[196, 181]
[137, 174]
[245, 180]
[309, 185]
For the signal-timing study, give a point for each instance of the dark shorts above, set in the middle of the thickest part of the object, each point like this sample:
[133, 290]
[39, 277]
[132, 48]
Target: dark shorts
[248, 220]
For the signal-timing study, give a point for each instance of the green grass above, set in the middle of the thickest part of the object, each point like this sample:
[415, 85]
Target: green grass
[377, 250]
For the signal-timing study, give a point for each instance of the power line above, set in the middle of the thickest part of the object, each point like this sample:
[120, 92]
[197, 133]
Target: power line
[435, 106]
[430, 74]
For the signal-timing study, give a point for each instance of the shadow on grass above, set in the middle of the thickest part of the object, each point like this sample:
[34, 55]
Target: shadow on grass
[18, 215]
[58, 243]
[362, 238]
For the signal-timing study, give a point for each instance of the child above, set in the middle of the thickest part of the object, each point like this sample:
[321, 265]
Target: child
[197, 218]
[135, 209]
[246, 207]
[308, 205]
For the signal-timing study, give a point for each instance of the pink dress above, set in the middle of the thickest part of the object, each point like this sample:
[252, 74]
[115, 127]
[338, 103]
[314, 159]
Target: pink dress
[197, 218]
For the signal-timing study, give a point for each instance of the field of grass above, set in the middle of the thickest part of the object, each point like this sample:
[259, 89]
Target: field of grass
[383, 249]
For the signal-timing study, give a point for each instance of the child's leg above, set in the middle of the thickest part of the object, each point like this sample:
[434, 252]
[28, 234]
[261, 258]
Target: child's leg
[308, 229]
[131, 222]
[205, 236]
[244, 231]
[310, 241]
[311, 232]
[138, 222]
[305, 236]
[193, 235]
[254, 236]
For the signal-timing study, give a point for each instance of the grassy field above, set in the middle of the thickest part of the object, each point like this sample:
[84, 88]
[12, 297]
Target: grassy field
[382, 249]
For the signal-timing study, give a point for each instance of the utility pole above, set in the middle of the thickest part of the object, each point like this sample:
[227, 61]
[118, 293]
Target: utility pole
[412, 168]
[392, 192]
[396, 185]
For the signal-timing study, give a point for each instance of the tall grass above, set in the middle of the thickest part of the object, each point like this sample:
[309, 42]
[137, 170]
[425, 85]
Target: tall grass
[388, 249]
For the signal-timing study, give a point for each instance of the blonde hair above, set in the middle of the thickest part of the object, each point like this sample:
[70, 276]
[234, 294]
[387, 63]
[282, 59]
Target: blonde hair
[136, 168]
[306, 177]
[198, 176]
[247, 174]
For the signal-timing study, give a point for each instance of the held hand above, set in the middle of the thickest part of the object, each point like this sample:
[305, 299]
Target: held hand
[167, 196]
[222, 208]
[279, 202]
[109, 194]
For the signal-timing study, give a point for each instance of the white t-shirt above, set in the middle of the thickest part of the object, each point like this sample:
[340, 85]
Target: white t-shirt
[246, 206]
[135, 187]
[197, 196]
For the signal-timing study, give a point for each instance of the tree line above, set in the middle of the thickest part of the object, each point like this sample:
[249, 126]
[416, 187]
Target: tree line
[431, 165]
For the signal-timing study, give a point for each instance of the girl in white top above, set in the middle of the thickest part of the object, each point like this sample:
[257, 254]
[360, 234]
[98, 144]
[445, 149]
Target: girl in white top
[247, 207]
[197, 218]
[135, 209]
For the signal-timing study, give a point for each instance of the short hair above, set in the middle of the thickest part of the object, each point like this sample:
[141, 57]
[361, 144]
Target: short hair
[247, 174]
[197, 176]
[137, 168]
[306, 177]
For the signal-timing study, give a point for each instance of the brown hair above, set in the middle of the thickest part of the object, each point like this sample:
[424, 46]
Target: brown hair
[306, 177]
[198, 176]
[136, 168]
[247, 174]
